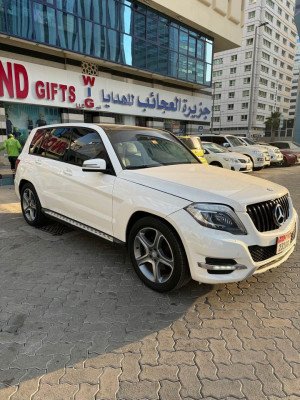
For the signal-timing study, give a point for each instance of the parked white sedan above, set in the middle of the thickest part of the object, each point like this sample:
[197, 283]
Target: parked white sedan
[276, 156]
[218, 156]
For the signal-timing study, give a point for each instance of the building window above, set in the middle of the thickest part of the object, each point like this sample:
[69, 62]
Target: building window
[277, 36]
[269, 16]
[275, 61]
[268, 30]
[248, 54]
[217, 96]
[248, 68]
[274, 73]
[233, 70]
[245, 93]
[261, 106]
[246, 81]
[265, 56]
[230, 118]
[263, 81]
[216, 119]
[270, 3]
[276, 49]
[279, 11]
[217, 108]
[233, 58]
[264, 69]
[231, 95]
[284, 41]
[272, 85]
[267, 43]
[123, 32]
[278, 24]
[271, 96]
[249, 42]
[230, 106]
[260, 118]
[244, 117]
[262, 94]
[218, 61]
[251, 14]
[232, 82]
[218, 85]
[250, 28]
[244, 106]
[270, 108]
[217, 73]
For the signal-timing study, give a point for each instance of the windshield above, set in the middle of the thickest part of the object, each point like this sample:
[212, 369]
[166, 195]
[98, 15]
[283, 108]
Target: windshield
[138, 148]
[295, 145]
[234, 141]
[192, 143]
[214, 148]
[249, 141]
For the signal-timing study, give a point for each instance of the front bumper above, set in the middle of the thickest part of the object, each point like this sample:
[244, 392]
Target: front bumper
[241, 167]
[203, 244]
[276, 158]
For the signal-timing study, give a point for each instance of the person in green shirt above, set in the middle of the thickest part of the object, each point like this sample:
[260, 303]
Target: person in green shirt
[13, 149]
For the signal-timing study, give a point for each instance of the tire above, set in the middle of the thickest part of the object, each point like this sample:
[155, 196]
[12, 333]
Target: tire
[151, 243]
[31, 206]
[216, 164]
[257, 168]
[285, 163]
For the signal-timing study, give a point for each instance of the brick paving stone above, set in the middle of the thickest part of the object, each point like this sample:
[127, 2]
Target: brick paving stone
[236, 371]
[7, 392]
[130, 367]
[138, 390]
[104, 360]
[233, 342]
[165, 340]
[53, 378]
[259, 344]
[75, 376]
[159, 372]
[206, 366]
[190, 384]
[180, 330]
[49, 392]
[191, 345]
[149, 352]
[291, 386]
[248, 357]
[206, 333]
[280, 366]
[169, 390]
[253, 390]
[222, 388]
[86, 392]
[221, 354]
[109, 383]
[271, 385]
[176, 357]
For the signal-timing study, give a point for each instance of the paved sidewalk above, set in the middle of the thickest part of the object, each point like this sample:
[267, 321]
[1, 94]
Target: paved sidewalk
[76, 323]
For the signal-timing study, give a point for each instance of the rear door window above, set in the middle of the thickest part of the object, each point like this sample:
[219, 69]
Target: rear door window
[35, 145]
[56, 142]
[219, 140]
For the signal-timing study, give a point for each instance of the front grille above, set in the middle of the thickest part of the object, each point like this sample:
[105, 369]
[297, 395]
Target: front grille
[262, 214]
[259, 253]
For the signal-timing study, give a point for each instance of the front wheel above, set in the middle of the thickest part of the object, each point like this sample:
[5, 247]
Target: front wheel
[157, 255]
[31, 206]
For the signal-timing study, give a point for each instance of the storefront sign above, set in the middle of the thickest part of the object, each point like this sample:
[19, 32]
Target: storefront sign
[29, 83]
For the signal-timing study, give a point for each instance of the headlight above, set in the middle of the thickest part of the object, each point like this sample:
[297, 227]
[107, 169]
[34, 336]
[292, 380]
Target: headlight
[217, 216]
[257, 153]
[226, 159]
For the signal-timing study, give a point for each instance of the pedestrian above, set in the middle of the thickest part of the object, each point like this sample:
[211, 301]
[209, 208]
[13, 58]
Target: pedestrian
[8, 125]
[17, 133]
[41, 121]
[13, 149]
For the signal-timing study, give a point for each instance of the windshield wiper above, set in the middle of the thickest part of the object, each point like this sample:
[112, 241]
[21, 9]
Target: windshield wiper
[142, 166]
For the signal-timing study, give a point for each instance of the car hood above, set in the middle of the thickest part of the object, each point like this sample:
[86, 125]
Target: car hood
[233, 155]
[204, 183]
[248, 149]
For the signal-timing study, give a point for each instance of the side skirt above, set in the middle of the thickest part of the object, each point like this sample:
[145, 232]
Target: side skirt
[79, 225]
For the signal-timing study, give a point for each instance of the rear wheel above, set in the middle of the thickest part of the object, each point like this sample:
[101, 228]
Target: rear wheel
[157, 255]
[31, 206]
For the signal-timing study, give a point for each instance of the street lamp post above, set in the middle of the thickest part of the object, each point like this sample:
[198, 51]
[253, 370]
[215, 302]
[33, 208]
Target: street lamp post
[213, 109]
[253, 78]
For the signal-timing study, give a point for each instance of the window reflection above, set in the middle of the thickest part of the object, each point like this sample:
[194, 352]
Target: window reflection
[44, 23]
[122, 31]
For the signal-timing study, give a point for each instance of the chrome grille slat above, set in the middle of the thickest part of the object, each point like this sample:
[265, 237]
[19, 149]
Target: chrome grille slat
[261, 214]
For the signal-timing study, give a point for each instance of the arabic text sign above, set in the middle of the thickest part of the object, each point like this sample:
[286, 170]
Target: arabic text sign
[35, 84]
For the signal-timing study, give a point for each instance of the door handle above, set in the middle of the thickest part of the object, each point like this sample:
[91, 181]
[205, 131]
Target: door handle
[38, 161]
[67, 172]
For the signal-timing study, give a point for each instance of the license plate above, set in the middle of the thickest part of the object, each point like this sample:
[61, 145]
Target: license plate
[248, 167]
[283, 242]
[267, 158]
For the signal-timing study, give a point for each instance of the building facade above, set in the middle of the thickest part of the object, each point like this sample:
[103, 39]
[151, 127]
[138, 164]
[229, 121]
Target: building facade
[146, 63]
[256, 79]
[294, 91]
[296, 102]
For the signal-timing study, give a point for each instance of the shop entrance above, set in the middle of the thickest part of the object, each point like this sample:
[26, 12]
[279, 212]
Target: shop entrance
[88, 117]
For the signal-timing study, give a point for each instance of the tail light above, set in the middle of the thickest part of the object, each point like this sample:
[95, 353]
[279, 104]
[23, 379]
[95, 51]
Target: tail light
[16, 165]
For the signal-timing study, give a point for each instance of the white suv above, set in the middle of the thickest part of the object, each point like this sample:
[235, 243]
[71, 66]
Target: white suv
[143, 188]
[276, 156]
[258, 155]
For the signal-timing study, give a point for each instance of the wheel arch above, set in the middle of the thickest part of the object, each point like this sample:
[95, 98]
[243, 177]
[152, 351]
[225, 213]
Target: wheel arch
[22, 183]
[140, 214]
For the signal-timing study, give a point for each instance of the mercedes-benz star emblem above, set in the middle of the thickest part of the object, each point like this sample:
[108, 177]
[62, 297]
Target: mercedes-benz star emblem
[278, 215]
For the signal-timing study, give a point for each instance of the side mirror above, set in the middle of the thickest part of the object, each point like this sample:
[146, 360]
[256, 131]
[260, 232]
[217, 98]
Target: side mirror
[226, 144]
[94, 165]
